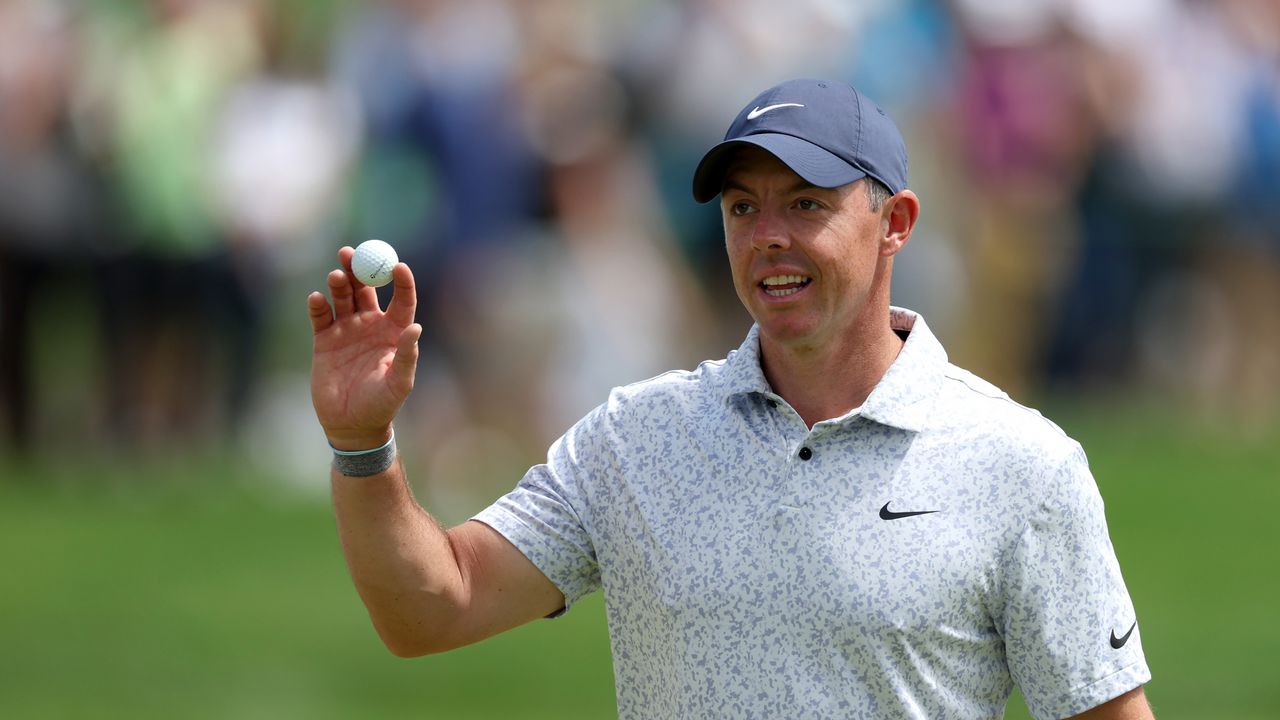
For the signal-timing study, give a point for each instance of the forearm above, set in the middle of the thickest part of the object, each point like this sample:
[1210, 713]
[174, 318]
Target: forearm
[426, 590]
[400, 559]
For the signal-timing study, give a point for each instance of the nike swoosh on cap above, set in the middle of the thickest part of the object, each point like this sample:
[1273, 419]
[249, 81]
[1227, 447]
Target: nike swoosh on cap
[762, 110]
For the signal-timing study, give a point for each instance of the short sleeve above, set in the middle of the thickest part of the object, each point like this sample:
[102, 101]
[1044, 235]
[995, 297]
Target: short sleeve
[1070, 632]
[544, 516]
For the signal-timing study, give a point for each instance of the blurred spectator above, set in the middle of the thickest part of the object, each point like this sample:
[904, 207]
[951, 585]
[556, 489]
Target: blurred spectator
[281, 153]
[1252, 278]
[1025, 135]
[1141, 307]
[181, 322]
[627, 303]
[46, 192]
[449, 178]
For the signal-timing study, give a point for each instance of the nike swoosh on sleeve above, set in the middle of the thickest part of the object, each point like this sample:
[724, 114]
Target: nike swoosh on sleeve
[1118, 642]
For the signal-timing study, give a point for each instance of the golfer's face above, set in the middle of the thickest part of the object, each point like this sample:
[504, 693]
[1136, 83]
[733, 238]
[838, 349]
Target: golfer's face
[803, 258]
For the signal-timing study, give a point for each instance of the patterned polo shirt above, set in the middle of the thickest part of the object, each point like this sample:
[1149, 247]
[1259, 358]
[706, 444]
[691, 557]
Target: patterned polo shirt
[914, 558]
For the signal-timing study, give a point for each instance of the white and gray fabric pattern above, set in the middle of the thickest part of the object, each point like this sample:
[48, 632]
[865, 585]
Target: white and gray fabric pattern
[912, 559]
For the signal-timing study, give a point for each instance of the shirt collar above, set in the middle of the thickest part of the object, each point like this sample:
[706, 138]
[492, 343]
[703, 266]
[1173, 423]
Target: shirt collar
[901, 399]
[742, 372]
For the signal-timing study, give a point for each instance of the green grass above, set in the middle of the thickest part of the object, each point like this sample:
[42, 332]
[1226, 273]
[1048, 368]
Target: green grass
[174, 592]
[223, 603]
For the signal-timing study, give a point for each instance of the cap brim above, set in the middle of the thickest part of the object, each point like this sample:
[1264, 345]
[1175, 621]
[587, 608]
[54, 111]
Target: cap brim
[807, 160]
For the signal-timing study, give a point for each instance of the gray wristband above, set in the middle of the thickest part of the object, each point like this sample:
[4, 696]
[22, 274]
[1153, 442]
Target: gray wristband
[363, 463]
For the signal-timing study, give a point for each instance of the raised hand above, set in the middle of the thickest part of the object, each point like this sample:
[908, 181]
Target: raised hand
[363, 359]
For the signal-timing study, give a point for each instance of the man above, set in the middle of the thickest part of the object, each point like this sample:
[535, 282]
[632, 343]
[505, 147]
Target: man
[832, 522]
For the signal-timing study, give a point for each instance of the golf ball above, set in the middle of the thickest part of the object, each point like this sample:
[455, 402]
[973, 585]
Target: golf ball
[373, 261]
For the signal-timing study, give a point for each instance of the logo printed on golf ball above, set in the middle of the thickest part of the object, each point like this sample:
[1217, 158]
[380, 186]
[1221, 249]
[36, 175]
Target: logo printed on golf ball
[373, 261]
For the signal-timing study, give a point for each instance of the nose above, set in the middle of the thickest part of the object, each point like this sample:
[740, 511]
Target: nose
[769, 232]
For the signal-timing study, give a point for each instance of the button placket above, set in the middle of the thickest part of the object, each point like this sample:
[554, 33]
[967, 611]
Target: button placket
[800, 475]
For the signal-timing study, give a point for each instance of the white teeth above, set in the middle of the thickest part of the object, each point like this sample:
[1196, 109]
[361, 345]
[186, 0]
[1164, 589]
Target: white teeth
[797, 281]
[784, 279]
[771, 283]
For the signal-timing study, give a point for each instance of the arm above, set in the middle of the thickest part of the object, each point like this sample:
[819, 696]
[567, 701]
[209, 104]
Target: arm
[1129, 706]
[1062, 600]
[426, 589]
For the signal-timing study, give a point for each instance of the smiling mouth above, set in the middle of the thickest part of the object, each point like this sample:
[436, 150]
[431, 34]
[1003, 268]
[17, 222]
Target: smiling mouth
[784, 285]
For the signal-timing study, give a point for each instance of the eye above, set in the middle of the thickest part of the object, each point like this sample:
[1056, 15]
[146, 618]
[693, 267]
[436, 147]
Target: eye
[741, 208]
[807, 204]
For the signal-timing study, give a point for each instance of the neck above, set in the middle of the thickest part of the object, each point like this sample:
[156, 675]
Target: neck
[828, 381]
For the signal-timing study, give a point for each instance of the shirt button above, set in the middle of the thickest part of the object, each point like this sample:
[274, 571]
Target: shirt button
[805, 453]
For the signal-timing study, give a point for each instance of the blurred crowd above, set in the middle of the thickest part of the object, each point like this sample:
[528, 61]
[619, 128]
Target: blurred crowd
[1100, 180]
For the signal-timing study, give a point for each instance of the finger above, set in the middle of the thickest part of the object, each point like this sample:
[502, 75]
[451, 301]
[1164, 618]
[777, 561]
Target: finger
[340, 288]
[321, 313]
[365, 297]
[404, 298]
[405, 363]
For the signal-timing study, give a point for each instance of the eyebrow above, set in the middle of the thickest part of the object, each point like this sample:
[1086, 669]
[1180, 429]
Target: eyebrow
[800, 185]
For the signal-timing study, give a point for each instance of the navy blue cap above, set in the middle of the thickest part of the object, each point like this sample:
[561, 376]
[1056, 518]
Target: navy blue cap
[827, 132]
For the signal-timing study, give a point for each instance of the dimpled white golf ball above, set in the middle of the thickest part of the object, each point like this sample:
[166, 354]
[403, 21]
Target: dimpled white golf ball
[373, 261]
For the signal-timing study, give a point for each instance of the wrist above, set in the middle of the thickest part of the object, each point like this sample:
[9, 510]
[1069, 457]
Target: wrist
[359, 441]
[365, 462]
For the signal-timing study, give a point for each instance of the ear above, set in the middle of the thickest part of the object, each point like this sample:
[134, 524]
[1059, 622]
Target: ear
[900, 213]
